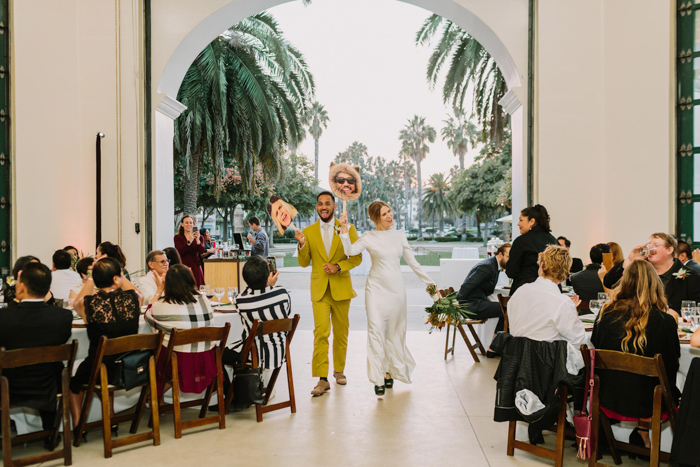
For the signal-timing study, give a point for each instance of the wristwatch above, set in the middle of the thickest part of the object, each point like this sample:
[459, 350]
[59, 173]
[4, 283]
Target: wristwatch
[338, 266]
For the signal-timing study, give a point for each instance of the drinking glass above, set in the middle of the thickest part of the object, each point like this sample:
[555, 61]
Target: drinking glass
[695, 319]
[219, 292]
[232, 293]
[10, 280]
[603, 297]
[687, 307]
[595, 306]
[204, 290]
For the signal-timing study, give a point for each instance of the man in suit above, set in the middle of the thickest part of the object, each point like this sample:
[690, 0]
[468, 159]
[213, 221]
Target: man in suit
[586, 283]
[480, 283]
[260, 246]
[576, 263]
[678, 286]
[34, 323]
[331, 289]
[685, 255]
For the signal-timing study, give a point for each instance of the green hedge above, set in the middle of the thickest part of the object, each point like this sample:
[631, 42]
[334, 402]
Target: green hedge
[446, 239]
[411, 239]
[285, 240]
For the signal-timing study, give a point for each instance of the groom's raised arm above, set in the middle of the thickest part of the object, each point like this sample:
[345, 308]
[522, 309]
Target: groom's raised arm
[349, 262]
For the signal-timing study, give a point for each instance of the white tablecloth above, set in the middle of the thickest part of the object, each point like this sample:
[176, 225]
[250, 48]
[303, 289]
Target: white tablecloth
[465, 253]
[28, 420]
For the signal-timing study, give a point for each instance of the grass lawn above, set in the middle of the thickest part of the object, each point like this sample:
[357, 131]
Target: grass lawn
[424, 260]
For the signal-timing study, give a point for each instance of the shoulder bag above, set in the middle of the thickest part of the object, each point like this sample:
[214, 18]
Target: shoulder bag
[583, 421]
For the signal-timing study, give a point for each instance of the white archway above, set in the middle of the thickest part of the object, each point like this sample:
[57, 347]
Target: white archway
[231, 13]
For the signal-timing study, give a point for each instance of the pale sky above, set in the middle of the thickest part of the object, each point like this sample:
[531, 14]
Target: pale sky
[370, 76]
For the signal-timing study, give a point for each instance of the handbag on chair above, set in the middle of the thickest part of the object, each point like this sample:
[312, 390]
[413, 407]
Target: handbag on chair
[583, 423]
[131, 369]
[248, 385]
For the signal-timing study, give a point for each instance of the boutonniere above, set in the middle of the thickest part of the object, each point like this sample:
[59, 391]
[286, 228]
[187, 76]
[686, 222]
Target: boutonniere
[336, 228]
[682, 273]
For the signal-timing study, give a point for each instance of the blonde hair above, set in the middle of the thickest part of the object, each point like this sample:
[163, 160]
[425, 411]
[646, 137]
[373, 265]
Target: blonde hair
[669, 242]
[616, 250]
[640, 291]
[556, 262]
[375, 211]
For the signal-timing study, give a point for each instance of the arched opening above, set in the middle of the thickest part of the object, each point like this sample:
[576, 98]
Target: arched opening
[222, 18]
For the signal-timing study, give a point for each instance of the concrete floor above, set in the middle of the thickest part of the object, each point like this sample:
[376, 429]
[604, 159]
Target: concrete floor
[445, 418]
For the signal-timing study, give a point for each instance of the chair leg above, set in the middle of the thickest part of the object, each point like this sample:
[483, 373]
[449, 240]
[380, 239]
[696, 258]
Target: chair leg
[454, 339]
[655, 432]
[561, 428]
[84, 412]
[140, 408]
[290, 383]
[220, 389]
[510, 450]
[206, 399]
[469, 344]
[607, 431]
[176, 398]
[106, 425]
[67, 427]
[6, 436]
[229, 395]
[271, 385]
[476, 339]
[447, 341]
[155, 417]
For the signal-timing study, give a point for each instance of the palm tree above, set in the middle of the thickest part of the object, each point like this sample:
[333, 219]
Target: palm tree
[244, 95]
[413, 137]
[460, 134]
[436, 200]
[409, 177]
[316, 118]
[469, 64]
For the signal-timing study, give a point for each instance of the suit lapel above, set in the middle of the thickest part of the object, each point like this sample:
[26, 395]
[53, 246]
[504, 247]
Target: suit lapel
[319, 244]
[673, 282]
[336, 241]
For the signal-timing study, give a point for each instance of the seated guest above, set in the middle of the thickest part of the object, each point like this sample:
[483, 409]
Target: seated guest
[635, 321]
[684, 254]
[34, 323]
[587, 285]
[110, 250]
[173, 256]
[576, 263]
[157, 264]
[9, 291]
[84, 268]
[208, 245]
[264, 301]
[113, 311]
[661, 248]
[178, 304]
[539, 311]
[73, 251]
[480, 283]
[63, 279]
[618, 255]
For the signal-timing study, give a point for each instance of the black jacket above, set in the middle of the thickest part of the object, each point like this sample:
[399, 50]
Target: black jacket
[676, 289]
[576, 265]
[539, 367]
[586, 283]
[693, 266]
[522, 264]
[34, 324]
[686, 449]
[479, 284]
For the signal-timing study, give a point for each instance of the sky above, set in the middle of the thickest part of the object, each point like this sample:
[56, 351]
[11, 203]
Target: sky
[370, 76]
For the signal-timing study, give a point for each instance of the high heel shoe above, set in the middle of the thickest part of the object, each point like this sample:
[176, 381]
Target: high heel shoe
[379, 390]
[637, 440]
[115, 431]
[389, 383]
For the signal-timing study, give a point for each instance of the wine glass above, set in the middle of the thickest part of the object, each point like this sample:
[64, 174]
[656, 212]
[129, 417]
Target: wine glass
[10, 280]
[232, 293]
[595, 306]
[219, 292]
[602, 296]
[204, 290]
[687, 307]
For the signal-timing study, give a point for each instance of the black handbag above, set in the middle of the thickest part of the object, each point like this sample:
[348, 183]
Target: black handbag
[131, 369]
[248, 385]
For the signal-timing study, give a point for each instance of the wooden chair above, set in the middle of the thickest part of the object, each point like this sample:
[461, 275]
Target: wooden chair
[34, 356]
[584, 305]
[109, 347]
[288, 325]
[645, 366]
[471, 347]
[187, 337]
[503, 301]
[561, 429]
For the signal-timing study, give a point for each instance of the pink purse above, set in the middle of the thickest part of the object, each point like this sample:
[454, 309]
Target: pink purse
[583, 423]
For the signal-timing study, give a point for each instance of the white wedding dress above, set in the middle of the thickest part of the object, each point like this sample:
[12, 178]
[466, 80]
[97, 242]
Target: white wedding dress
[385, 301]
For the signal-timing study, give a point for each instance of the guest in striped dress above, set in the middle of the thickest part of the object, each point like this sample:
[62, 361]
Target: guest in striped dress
[262, 300]
[181, 306]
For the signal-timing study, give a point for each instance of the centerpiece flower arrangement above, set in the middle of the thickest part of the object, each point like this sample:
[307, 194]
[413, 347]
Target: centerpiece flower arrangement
[445, 309]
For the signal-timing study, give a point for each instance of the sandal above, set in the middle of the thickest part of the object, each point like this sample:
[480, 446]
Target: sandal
[379, 390]
[389, 382]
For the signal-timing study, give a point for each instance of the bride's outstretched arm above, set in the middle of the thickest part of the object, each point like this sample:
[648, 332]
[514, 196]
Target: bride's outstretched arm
[353, 249]
[411, 261]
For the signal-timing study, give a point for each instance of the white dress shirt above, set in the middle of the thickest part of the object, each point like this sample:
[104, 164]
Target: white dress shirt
[539, 311]
[327, 231]
[62, 281]
[148, 288]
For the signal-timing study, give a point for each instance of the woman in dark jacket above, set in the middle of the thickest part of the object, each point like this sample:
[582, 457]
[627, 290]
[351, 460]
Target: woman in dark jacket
[534, 237]
[635, 321]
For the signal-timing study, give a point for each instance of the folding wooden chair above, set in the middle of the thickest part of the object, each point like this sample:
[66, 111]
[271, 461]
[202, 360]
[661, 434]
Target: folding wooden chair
[288, 325]
[187, 337]
[503, 301]
[561, 429]
[109, 347]
[34, 356]
[471, 347]
[644, 366]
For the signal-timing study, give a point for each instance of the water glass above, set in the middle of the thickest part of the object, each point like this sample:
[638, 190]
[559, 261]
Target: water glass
[219, 292]
[687, 309]
[232, 293]
[695, 320]
[603, 297]
[595, 306]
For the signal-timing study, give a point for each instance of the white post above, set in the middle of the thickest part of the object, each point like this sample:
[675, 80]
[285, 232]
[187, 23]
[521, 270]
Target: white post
[512, 105]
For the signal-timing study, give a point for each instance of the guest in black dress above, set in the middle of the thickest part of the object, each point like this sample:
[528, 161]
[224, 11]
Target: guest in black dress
[113, 311]
[625, 396]
[534, 237]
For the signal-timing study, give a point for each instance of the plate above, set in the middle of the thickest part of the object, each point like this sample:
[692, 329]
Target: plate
[226, 309]
[79, 323]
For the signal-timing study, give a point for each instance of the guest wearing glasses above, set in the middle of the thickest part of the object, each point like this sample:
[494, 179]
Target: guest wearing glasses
[539, 311]
[157, 264]
[84, 268]
[635, 321]
[190, 245]
[112, 311]
[63, 279]
[534, 237]
[110, 250]
[679, 283]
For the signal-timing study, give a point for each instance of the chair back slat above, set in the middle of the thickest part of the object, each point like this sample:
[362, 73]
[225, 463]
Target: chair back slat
[37, 355]
[628, 362]
[133, 342]
[204, 334]
[503, 301]
[277, 325]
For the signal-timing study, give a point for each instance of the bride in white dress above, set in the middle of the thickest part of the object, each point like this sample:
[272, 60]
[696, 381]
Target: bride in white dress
[385, 296]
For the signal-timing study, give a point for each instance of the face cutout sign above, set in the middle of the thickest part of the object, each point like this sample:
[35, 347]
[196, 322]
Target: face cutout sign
[282, 214]
[345, 181]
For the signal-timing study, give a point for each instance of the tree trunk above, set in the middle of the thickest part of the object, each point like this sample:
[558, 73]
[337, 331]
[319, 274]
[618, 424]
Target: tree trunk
[231, 213]
[420, 197]
[442, 223]
[192, 185]
[224, 218]
[316, 156]
[461, 160]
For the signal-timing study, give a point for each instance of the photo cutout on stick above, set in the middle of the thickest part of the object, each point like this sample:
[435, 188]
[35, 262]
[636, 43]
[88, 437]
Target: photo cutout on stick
[282, 214]
[345, 181]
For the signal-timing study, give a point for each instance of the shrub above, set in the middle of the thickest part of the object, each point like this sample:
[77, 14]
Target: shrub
[446, 239]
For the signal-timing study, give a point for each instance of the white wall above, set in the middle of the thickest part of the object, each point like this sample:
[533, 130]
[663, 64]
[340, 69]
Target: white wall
[605, 134]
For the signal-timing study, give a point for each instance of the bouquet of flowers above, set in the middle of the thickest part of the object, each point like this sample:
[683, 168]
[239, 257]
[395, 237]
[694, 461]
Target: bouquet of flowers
[445, 309]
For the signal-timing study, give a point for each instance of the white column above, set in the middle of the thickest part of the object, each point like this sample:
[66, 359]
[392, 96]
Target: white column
[514, 107]
[164, 173]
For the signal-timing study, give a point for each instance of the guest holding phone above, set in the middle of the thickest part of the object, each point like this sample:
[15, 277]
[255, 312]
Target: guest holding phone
[190, 245]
